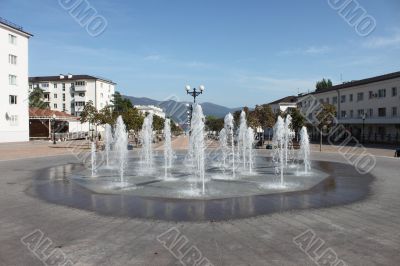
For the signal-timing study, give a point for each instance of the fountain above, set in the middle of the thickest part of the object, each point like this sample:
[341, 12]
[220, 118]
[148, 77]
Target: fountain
[242, 139]
[305, 149]
[228, 126]
[146, 137]
[223, 145]
[197, 145]
[108, 140]
[278, 143]
[93, 158]
[249, 149]
[196, 186]
[121, 147]
[289, 134]
[168, 152]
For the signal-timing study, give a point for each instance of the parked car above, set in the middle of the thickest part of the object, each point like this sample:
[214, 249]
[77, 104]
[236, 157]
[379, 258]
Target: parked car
[397, 153]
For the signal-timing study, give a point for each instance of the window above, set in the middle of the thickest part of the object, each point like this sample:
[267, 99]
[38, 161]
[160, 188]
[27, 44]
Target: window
[371, 94]
[382, 112]
[394, 111]
[30, 86]
[351, 113]
[370, 112]
[72, 95]
[382, 93]
[12, 59]
[13, 120]
[55, 96]
[63, 86]
[82, 94]
[343, 98]
[79, 103]
[13, 99]
[343, 114]
[334, 100]
[12, 39]
[360, 113]
[44, 85]
[55, 85]
[64, 107]
[394, 92]
[79, 83]
[360, 96]
[63, 97]
[12, 79]
[327, 100]
[55, 106]
[351, 97]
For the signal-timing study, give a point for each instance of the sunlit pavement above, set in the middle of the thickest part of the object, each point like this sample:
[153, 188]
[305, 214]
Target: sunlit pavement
[362, 233]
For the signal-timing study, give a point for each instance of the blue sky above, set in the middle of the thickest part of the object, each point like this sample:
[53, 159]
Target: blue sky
[244, 52]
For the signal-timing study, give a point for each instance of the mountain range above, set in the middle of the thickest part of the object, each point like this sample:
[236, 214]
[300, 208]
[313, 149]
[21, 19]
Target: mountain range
[177, 110]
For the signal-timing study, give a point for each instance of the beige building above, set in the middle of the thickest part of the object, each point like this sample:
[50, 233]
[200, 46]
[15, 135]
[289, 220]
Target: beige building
[14, 104]
[69, 93]
[368, 108]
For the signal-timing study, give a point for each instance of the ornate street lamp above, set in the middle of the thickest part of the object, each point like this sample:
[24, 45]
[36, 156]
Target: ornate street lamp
[194, 93]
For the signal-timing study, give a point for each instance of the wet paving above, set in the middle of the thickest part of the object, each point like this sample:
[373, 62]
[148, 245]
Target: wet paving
[343, 185]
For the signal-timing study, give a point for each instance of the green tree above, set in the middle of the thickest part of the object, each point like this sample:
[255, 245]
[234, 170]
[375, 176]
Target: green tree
[106, 116]
[262, 116]
[323, 84]
[175, 128]
[89, 114]
[298, 120]
[158, 123]
[214, 123]
[325, 119]
[120, 103]
[133, 119]
[36, 99]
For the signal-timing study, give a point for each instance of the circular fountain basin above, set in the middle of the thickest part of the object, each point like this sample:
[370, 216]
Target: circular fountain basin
[148, 194]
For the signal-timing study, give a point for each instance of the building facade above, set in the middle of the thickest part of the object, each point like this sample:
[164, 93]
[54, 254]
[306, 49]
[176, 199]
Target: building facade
[369, 108]
[151, 109]
[14, 104]
[284, 104]
[70, 93]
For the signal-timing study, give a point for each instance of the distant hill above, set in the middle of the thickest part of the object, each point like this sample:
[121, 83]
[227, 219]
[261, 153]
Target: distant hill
[177, 110]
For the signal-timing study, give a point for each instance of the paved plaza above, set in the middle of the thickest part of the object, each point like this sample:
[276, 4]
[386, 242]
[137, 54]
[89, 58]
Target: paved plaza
[362, 233]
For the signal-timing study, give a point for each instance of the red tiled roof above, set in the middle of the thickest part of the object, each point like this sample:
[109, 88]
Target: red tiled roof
[37, 112]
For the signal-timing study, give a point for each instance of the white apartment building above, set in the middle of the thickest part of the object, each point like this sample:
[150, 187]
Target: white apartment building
[69, 93]
[151, 109]
[372, 104]
[284, 104]
[14, 104]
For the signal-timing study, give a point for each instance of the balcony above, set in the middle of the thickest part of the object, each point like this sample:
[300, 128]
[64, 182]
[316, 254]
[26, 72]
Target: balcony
[79, 88]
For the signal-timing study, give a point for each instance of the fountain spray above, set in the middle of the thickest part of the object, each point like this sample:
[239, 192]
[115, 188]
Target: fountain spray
[147, 143]
[168, 152]
[121, 146]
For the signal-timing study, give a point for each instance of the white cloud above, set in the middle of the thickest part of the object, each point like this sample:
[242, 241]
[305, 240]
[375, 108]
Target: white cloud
[154, 57]
[384, 42]
[311, 50]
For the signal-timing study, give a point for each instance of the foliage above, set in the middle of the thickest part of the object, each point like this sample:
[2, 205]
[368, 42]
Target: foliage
[214, 123]
[158, 123]
[133, 119]
[323, 85]
[120, 103]
[262, 116]
[89, 114]
[298, 120]
[106, 116]
[326, 116]
[175, 127]
[36, 99]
